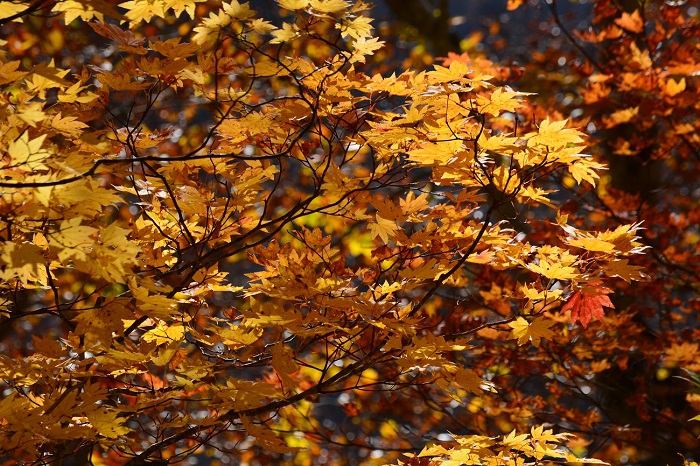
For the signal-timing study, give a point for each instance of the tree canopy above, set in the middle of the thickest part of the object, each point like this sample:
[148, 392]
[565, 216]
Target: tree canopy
[265, 237]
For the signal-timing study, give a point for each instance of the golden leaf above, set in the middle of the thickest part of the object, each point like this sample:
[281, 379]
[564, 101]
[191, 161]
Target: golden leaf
[553, 271]
[535, 331]
[8, 71]
[554, 135]
[673, 88]
[383, 228]
[631, 22]
[329, 6]
[164, 333]
[292, 5]
[107, 423]
[24, 261]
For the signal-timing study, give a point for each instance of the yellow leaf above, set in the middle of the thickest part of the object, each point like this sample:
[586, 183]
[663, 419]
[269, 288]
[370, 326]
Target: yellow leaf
[435, 153]
[107, 423]
[237, 10]
[555, 271]
[357, 28]
[621, 116]
[535, 295]
[389, 429]
[164, 333]
[457, 71]
[554, 135]
[515, 441]
[592, 244]
[47, 76]
[623, 269]
[329, 6]
[237, 337]
[639, 57]
[363, 47]
[86, 10]
[537, 195]
[383, 228]
[24, 261]
[27, 154]
[72, 94]
[292, 5]
[69, 126]
[178, 6]
[505, 180]
[585, 170]
[31, 114]
[498, 143]
[525, 331]
[672, 87]
[157, 306]
[8, 71]
[8, 9]
[287, 33]
[143, 10]
[502, 100]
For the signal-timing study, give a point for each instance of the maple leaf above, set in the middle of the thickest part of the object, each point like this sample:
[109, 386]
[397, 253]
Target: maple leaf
[329, 6]
[671, 89]
[164, 333]
[621, 116]
[639, 57]
[554, 134]
[553, 271]
[9, 74]
[287, 33]
[85, 10]
[8, 9]
[143, 10]
[31, 113]
[178, 6]
[534, 331]
[292, 5]
[383, 228]
[631, 22]
[587, 305]
[457, 71]
[358, 28]
[465, 378]
[28, 153]
[585, 170]
[502, 100]
[107, 423]
[70, 126]
[25, 261]
[364, 47]
[124, 38]
[623, 269]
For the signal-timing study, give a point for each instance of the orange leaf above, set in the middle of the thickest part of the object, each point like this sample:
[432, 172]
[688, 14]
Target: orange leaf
[514, 4]
[631, 22]
[673, 87]
[587, 305]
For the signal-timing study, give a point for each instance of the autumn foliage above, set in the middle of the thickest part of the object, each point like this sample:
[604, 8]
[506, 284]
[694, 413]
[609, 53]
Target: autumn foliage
[235, 236]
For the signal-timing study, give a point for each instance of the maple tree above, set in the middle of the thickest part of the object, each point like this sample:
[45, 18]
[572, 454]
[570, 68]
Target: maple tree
[240, 239]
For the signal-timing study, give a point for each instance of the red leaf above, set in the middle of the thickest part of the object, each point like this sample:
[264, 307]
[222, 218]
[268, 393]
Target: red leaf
[585, 306]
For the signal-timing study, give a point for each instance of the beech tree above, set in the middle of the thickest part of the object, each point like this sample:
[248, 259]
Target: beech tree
[241, 240]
